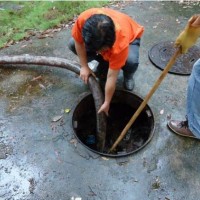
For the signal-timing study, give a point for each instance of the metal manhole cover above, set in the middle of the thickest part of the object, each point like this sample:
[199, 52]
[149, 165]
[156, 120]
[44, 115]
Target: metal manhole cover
[161, 53]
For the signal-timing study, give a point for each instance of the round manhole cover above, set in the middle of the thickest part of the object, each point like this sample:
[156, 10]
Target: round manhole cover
[161, 53]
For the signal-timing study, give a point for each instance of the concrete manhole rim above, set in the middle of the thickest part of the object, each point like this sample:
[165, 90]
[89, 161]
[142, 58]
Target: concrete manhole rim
[86, 94]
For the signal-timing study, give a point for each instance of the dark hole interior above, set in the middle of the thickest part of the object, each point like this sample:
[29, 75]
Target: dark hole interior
[84, 123]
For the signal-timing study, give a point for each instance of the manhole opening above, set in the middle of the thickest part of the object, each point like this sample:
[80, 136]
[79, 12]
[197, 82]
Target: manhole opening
[122, 107]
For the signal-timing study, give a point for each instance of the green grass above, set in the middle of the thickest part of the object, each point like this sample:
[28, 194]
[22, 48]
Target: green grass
[18, 18]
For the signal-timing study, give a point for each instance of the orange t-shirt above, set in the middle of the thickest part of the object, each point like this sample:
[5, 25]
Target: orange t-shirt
[126, 30]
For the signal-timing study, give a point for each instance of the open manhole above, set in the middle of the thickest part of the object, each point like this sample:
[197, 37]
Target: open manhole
[123, 106]
[161, 53]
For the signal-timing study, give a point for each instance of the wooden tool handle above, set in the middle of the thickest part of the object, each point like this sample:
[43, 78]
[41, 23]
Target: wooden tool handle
[144, 103]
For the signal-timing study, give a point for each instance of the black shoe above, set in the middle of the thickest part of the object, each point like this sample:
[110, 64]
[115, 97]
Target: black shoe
[129, 82]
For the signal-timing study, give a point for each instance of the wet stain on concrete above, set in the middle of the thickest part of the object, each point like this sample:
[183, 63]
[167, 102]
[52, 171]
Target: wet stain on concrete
[20, 86]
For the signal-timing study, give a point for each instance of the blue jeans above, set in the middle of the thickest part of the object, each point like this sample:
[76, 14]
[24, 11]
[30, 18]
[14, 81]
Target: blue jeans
[193, 100]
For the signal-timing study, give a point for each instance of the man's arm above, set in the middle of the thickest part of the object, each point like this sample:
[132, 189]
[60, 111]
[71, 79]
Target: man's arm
[109, 90]
[81, 52]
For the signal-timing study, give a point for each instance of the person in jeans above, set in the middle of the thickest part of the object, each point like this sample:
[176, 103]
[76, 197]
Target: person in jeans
[191, 126]
[113, 39]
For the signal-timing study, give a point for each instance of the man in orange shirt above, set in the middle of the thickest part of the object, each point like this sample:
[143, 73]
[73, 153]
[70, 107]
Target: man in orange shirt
[111, 38]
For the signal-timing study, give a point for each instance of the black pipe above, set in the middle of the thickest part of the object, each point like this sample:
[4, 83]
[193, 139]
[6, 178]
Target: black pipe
[66, 64]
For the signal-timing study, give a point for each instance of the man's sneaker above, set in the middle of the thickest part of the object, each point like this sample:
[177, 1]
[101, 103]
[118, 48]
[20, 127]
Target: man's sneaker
[181, 128]
[129, 82]
[93, 65]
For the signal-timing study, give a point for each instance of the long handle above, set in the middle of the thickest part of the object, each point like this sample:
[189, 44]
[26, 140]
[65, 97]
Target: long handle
[141, 107]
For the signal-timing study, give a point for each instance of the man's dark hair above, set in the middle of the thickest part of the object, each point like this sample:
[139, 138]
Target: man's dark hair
[98, 31]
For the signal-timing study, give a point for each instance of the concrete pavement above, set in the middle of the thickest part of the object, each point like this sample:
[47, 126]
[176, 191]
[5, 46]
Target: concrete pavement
[40, 159]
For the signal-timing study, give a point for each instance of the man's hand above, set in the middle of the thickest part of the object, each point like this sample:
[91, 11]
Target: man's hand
[85, 73]
[104, 108]
[109, 90]
[189, 35]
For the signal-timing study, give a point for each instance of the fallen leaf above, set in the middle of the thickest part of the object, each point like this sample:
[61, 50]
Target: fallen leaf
[23, 46]
[56, 118]
[67, 110]
[74, 142]
[45, 36]
[156, 184]
[9, 43]
[104, 158]
[36, 78]
[42, 86]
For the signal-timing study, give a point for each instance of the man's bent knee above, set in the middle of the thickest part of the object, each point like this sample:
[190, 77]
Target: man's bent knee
[71, 45]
